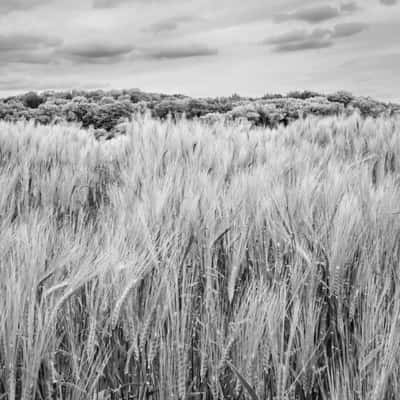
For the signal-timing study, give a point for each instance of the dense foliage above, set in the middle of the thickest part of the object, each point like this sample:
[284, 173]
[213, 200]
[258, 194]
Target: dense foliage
[105, 110]
[186, 261]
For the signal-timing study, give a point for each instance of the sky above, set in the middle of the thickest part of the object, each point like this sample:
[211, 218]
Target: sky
[202, 48]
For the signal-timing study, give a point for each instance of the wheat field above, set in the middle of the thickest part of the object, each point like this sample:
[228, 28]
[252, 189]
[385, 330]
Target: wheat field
[193, 261]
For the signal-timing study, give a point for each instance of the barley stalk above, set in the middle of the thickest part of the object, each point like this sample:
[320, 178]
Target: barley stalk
[153, 348]
[120, 302]
[145, 331]
[181, 371]
[91, 337]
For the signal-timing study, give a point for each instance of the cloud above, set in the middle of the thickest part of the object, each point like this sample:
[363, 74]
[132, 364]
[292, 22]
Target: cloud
[169, 24]
[388, 2]
[28, 49]
[301, 39]
[13, 84]
[110, 53]
[23, 84]
[348, 29]
[184, 51]
[30, 57]
[108, 3]
[312, 15]
[7, 6]
[118, 3]
[309, 44]
[96, 52]
[287, 37]
[349, 7]
[14, 42]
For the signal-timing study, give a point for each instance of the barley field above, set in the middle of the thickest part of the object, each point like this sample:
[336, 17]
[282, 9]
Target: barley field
[193, 261]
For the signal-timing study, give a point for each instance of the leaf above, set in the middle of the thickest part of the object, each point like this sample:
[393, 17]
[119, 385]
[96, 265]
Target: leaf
[221, 235]
[243, 381]
[232, 281]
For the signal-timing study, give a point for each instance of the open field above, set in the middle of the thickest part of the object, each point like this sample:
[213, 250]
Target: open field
[193, 261]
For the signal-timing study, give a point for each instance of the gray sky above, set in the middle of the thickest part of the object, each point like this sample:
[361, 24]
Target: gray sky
[201, 47]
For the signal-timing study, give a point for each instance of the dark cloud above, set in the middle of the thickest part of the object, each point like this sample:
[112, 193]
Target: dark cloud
[309, 44]
[7, 6]
[349, 7]
[108, 3]
[28, 57]
[300, 40]
[110, 53]
[287, 37]
[117, 3]
[15, 42]
[348, 29]
[28, 49]
[312, 15]
[388, 2]
[169, 24]
[184, 51]
[96, 52]
[162, 26]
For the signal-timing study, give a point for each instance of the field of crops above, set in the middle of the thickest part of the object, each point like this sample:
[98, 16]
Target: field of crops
[193, 261]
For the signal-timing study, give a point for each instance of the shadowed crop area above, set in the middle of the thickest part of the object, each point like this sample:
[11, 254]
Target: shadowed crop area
[186, 260]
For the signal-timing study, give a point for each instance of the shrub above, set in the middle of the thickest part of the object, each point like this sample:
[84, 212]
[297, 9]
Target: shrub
[32, 100]
[268, 96]
[305, 94]
[342, 97]
[368, 106]
[109, 107]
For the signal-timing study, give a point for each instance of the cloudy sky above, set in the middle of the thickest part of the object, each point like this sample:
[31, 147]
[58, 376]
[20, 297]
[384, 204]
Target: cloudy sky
[201, 47]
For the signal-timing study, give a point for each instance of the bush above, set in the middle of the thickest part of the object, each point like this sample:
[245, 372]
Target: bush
[105, 109]
[32, 100]
[341, 97]
[305, 94]
[268, 96]
[368, 106]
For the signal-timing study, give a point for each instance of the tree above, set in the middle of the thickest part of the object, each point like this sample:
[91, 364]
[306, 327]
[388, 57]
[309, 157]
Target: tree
[305, 94]
[32, 100]
[341, 97]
